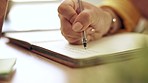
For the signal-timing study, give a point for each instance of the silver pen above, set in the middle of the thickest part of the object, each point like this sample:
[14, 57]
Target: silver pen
[84, 38]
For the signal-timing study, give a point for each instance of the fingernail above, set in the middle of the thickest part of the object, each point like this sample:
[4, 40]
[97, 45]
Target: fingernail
[77, 26]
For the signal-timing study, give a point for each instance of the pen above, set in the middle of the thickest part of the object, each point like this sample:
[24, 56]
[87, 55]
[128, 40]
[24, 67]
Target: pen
[84, 39]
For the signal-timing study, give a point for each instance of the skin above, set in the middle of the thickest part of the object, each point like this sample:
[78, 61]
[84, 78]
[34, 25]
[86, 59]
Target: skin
[94, 20]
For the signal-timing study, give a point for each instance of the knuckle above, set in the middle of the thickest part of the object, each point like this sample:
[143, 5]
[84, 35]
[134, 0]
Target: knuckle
[61, 8]
[85, 15]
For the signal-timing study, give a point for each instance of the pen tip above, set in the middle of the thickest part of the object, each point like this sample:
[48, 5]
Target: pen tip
[85, 45]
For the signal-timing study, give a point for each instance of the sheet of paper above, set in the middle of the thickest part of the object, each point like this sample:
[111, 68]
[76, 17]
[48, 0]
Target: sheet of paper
[105, 46]
[37, 36]
[54, 41]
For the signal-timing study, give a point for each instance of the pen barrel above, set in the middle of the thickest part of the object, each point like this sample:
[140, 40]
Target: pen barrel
[80, 8]
[84, 39]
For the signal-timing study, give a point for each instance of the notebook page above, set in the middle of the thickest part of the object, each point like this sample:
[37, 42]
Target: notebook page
[37, 36]
[105, 46]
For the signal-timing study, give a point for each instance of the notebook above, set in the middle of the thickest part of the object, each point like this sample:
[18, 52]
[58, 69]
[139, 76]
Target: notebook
[3, 9]
[52, 45]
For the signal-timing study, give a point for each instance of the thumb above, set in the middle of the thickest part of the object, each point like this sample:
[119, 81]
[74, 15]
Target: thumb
[82, 21]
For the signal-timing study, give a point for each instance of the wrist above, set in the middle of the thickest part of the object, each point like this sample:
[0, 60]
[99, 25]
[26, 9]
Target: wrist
[116, 22]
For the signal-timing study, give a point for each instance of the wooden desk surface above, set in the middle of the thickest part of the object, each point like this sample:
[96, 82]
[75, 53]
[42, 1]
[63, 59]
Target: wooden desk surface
[32, 68]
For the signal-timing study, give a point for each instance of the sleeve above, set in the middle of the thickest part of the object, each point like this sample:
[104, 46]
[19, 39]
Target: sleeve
[126, 11]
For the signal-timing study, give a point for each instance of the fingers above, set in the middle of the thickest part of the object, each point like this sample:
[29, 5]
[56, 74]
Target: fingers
[66, 27]
[92, 34]
[82, 21]
[67, 31]
[72, 23]
[90, 30]
[72, 36]
[68, 10]
[75, 37]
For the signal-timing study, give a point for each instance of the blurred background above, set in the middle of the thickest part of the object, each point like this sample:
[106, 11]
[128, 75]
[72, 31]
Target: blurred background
[33, 15]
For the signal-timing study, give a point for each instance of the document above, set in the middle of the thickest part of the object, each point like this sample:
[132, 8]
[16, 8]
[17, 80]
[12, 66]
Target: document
[52, 45]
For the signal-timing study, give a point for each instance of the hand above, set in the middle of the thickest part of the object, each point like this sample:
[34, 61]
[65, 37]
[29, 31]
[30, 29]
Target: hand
[94, 20]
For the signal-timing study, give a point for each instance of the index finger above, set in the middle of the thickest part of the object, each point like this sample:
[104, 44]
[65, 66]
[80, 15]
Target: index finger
[68, 9]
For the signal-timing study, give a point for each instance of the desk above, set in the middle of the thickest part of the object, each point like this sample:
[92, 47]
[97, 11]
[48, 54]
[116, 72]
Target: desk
[32, 68]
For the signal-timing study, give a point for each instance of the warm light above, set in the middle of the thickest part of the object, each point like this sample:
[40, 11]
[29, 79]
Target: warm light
[32, 0]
